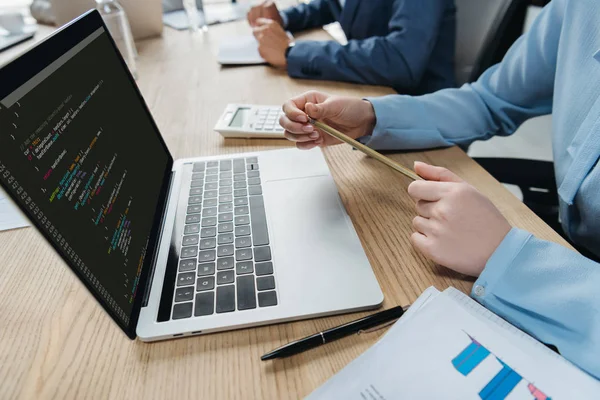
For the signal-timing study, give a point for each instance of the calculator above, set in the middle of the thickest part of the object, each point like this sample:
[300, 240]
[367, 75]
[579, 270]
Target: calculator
[250, 121]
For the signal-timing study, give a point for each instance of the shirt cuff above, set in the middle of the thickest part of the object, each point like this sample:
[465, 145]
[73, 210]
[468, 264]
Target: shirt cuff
[498, 263]
[402, 123]
[284, 20]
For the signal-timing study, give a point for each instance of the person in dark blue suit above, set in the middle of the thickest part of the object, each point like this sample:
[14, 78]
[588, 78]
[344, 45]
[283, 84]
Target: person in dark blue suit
[405, 44]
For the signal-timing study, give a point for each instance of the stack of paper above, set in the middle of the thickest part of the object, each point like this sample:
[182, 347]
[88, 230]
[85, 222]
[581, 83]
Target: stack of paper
[447, 346]
[240, 50]
[10, 216]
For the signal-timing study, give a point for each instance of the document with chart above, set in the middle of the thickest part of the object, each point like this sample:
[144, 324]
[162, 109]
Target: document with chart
[450, 347]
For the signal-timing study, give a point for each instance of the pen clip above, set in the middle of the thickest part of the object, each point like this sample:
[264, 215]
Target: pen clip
[363, 331]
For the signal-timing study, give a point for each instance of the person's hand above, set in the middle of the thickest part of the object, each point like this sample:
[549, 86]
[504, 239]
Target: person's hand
[266, 9]
[353, 117]
[456, 226]
[272, 42]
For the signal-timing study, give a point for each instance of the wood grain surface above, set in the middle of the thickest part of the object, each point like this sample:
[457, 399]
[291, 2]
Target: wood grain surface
[57, 343]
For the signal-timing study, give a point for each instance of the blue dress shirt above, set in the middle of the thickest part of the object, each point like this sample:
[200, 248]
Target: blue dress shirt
[547, 290]
[404, 44]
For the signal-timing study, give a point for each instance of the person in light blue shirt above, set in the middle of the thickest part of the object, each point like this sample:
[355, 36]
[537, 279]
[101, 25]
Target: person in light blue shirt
[546, 289]
[404, 44]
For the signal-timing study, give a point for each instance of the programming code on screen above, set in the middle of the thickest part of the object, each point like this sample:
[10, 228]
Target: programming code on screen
[79, 151]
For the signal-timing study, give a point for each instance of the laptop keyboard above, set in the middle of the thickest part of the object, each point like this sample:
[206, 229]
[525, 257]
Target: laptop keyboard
[225, 260]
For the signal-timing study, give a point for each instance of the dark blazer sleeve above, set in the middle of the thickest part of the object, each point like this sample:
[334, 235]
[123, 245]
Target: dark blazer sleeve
[398, 59]
[306, 16]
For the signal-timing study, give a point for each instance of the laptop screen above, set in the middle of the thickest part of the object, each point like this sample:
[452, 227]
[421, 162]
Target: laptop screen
[82, 157]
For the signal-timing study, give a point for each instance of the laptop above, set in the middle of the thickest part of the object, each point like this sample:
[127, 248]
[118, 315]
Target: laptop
[12, 39]
[169, 248]
[216, 13]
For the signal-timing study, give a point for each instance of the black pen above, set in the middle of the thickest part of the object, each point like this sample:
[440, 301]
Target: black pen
[318, 339]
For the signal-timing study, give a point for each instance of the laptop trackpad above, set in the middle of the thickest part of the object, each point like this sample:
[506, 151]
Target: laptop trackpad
[313, 241]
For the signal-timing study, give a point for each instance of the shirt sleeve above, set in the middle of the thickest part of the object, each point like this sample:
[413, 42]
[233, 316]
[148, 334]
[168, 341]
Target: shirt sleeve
[506, 95]
[547, 290]
[397, 60]
[306, 16]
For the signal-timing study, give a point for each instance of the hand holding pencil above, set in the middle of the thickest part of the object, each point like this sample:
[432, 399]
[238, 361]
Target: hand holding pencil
[455, 224]
[353, 117]
[338, 119]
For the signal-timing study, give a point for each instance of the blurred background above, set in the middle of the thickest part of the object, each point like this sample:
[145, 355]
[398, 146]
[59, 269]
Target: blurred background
[531, 141]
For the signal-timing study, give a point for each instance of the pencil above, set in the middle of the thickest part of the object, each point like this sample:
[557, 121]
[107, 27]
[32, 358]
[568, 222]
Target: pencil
[365, 149]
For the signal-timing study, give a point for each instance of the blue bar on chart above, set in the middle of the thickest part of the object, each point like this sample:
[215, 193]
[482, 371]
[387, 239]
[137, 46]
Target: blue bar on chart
[502, 384]
[470, 357]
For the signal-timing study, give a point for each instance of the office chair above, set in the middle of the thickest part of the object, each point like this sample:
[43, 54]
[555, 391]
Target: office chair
[485, 31]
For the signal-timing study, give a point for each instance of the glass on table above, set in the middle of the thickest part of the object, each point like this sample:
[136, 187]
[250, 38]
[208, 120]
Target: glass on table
[118, 26]
[194, 10]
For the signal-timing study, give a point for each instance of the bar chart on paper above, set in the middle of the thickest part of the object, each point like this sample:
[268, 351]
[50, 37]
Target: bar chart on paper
[502, 383]
[447, 346]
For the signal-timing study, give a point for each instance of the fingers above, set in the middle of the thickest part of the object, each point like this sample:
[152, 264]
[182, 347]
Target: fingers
[309, 145]
[295, 127]
[425, 208]
[423, 225]
[264, 22]
[294, 108]
[251, 16]
[261, 28]
[311, 96]
[433, 173]
[324, 110]
[254, 13]
[428, 190]
[421, 243]
[295, 120]
[316, 111]
[301, 138]
[294, 117]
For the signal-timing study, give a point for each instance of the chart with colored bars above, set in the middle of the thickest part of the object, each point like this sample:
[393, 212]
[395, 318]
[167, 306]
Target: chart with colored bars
[499, 385]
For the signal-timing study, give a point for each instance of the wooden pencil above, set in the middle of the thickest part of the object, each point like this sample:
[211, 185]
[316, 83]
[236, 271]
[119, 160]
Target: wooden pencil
[365, 149]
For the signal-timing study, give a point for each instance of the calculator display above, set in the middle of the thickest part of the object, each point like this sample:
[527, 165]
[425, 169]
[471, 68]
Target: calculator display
[240, 117]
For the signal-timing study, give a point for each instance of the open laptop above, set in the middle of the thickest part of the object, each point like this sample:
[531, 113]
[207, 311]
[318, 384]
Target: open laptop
[168, 248]
[215, 13]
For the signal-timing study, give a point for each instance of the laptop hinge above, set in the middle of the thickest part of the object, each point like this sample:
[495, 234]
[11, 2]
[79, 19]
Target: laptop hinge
[160, 238]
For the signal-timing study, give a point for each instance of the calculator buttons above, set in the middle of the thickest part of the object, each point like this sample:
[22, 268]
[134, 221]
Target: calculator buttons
[263, 121]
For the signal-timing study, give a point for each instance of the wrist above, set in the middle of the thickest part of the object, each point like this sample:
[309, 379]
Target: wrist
[371, 118]
[291, 44]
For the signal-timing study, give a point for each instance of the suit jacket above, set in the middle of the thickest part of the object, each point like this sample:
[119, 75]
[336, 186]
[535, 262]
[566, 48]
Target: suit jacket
[404, 44]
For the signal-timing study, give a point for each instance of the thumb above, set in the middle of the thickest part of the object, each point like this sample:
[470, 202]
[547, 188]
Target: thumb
[318, 111]
[433, 173]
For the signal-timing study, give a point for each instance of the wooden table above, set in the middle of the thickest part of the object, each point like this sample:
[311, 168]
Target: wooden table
[56, 342]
